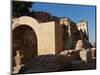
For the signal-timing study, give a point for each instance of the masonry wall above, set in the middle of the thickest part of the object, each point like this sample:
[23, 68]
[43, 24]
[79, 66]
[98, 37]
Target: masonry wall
[49, 35]
[58, 38]
[70, 33]
[46, 39]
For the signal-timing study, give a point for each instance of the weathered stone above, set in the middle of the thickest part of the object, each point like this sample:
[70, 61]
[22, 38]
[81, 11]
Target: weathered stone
[86, 55]
[93, 53]
[70, 33]
[52, 38]
[72, 53]
[65, 52]
[17, 62]
[79, 45]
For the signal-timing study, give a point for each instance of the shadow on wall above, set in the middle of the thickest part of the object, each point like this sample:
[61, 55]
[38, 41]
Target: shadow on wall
[24, 40]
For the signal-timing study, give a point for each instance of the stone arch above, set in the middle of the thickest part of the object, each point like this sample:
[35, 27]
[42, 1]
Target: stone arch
[26, 20]
[25, 25]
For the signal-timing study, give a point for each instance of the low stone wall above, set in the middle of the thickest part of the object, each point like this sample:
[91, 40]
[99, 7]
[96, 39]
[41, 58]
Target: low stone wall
[86, 55]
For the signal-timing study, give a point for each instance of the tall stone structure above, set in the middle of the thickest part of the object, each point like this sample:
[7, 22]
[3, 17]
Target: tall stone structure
[32, 38]
[70, 33]
[83, 27]
[44, 34]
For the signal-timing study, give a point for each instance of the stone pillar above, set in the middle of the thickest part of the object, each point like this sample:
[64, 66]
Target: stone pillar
[18, 64]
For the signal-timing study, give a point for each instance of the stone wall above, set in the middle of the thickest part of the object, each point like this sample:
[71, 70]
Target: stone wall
[49, 34]
[46, 38]
[70, 33]
[58, 38]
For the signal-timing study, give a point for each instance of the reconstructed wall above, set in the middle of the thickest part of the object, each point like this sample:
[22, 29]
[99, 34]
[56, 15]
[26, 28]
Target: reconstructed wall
[46, 39]
[49, 35]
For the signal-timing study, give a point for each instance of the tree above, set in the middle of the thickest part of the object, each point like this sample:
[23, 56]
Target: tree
[20, 8]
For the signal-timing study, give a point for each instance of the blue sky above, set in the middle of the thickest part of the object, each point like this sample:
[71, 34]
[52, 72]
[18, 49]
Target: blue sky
[74, 12]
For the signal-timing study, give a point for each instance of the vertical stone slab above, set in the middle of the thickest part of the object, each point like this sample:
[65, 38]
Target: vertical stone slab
[46, 38]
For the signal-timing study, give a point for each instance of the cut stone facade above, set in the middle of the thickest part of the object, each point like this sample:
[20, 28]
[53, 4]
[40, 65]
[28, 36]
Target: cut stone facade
[47, 34]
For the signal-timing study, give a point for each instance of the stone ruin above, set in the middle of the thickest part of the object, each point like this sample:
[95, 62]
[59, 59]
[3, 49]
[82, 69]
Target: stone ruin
[59, 36]
[86, 55]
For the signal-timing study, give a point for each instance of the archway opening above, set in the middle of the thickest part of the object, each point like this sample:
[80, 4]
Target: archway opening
[24, 39]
